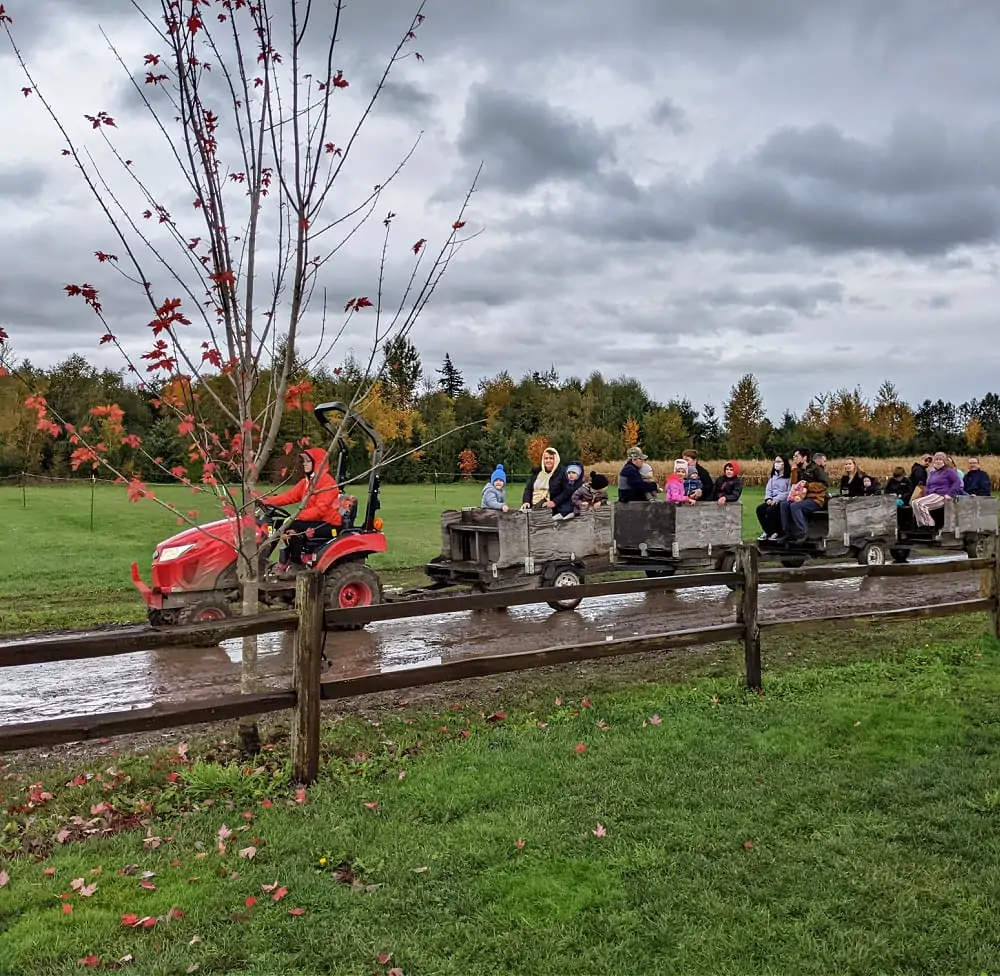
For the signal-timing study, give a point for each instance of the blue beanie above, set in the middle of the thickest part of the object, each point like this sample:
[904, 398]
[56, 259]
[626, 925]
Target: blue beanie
[499, 475]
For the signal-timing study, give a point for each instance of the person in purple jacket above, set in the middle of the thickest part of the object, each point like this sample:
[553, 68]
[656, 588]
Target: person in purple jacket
[943, 482]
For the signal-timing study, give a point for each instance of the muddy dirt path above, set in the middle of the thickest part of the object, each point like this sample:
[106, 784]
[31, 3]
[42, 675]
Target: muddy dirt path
[175, 674]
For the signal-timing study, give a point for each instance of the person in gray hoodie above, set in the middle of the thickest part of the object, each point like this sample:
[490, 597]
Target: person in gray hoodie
[495, 493]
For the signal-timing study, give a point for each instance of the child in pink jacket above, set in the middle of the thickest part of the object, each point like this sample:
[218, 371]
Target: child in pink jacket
[675, 489]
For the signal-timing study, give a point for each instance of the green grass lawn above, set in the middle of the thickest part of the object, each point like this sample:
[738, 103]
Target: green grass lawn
[844, 822]
[60, 573]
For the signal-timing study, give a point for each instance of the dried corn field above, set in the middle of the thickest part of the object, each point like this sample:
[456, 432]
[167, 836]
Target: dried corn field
[755, 473]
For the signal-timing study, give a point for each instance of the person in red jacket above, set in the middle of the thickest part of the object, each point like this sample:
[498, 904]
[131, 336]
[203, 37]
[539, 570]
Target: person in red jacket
[320, 517]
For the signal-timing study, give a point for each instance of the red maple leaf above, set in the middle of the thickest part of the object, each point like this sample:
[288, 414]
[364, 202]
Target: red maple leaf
[136, 490]
[91, 961]
[458, 225]
[339, 81]
[419, 246]
[24, 91]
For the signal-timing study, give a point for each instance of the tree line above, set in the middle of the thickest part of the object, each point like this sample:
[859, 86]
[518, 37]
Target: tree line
[436, 426]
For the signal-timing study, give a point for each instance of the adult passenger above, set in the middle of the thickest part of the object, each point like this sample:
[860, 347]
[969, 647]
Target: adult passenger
[977, 481]
[776, 491]
[943, 483]
[631, 485]
[548, 488]
[793, 514]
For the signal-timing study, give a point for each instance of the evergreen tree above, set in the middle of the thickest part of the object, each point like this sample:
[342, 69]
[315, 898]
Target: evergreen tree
[451, 382]
[401, 371]
[745, 416]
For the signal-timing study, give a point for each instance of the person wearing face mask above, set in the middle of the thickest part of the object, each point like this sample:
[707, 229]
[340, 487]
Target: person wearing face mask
[943, 483]
[769, 514]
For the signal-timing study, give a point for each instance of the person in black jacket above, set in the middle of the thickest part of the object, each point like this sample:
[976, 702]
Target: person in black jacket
[729, 486]
[977, 481]
[631, 485]
[899, 485]
[918, 474]
[548, 487]
[706, 479]
[852, 481]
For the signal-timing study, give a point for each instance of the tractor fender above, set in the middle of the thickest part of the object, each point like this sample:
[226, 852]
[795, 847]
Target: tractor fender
[355, 546]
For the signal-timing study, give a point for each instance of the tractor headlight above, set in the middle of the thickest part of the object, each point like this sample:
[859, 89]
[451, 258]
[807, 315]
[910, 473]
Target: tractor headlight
[174, 552]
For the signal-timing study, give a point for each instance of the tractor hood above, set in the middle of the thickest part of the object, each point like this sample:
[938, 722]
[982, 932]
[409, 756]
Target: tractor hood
[224, 531]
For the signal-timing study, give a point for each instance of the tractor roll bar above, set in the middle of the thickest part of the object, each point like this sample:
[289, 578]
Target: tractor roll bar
[322, 413]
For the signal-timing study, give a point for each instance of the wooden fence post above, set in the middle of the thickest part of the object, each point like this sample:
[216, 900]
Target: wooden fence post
[306, 676]
[747, 565]
[994, 587]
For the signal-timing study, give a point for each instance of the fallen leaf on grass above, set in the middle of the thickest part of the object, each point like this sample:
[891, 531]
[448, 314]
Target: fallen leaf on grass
[371, 806]
[384, 958]
[147, 885]
[585, 703]
[421, 870]
[600, 831]
[748, 845]
[126, 960]
[128, 869]
[88, 890]
[63, 836]
[49, 872]
[194, 967]
[4, 879]
[715, 699]
[269, 887]
[77, 883]
[296, 911]
[655, 720]
[250, 902]
[91, 962]
[581, 748]
[223, 833]
[559, 702]
[148, 875]
[100, 808]
[496, 717]
[175, 863]
[519, 843]
[195, 940]
[280, 893]
[130, 920]
[266, 804]
[249, 853]
[395, 971]
[67, 908]
[301, 795]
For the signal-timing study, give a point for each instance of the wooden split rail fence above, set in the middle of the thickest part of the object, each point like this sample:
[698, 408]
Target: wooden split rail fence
[311, 621]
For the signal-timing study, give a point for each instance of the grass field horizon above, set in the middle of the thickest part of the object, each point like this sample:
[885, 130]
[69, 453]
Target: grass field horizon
[63, 574]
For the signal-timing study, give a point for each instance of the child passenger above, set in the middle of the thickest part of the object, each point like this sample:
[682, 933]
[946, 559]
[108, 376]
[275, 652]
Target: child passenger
[495, 493]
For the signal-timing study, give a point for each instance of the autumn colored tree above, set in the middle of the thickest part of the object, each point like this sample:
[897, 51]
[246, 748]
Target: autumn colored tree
[535, 450]
[744, 416]
[975, 434]
[249, 105]
[468, 463]
[891, 417]
[630, 433]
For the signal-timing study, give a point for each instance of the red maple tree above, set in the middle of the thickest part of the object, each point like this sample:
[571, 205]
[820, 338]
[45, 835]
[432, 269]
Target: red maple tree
[250, 106]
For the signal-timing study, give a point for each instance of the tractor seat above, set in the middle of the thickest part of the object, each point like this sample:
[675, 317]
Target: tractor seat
[348, 513]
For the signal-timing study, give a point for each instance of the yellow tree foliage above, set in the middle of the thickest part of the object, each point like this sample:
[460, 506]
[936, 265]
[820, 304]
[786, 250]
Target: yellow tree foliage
[393, 423]
[744, 415]
[975, 433]
[848, 411]
[496, 394]
[630, 432]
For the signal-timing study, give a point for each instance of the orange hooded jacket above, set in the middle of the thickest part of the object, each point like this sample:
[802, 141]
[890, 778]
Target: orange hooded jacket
[324, 502]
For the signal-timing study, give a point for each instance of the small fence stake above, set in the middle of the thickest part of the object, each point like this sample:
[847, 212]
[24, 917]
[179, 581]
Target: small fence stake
[994, 588]
[747, 565]
[306, 676]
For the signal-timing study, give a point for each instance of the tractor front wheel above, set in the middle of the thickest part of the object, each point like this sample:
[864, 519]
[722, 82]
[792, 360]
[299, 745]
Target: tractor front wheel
[352, 585]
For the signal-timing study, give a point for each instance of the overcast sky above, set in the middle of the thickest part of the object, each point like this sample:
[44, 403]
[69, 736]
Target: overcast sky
[680, 190]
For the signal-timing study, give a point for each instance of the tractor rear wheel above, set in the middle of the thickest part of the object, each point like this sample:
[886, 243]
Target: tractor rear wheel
[352, 585]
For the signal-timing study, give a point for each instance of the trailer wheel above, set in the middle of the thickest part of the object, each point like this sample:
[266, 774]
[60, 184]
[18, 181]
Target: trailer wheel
[978, 547]
[872, 554]
[899, 555]
[661, 573]
[566, 577]
[727, 564]
[350, 585]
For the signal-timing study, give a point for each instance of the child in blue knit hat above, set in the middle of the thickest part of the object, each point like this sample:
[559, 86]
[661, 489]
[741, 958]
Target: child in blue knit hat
[495, 493]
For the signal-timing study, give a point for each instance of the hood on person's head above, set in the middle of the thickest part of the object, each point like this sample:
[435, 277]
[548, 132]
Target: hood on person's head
[318, 457]
[598, 481]
[550, 452]
[499, 475]
[735, 465]
[574, 471]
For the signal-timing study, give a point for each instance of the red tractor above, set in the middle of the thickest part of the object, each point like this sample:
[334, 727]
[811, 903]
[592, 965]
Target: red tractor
[194, 572]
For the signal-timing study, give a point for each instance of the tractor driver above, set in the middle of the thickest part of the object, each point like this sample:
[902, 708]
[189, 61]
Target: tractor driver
[317, 520]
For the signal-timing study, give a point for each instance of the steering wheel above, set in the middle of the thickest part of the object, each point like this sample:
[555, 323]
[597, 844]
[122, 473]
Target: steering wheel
[273, 512]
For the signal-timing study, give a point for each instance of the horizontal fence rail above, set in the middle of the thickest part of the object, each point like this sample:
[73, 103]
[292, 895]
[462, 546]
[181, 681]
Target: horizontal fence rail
[311, 622]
